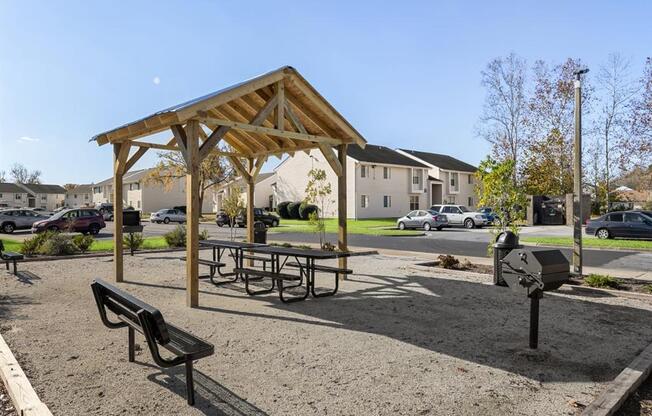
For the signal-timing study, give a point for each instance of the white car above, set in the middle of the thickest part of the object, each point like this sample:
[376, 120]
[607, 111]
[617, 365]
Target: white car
[461, 215]
[168, 215]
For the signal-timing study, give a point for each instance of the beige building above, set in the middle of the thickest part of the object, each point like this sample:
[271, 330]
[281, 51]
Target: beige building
[263, 192]
[144, 196]
[382, 183]
[450, 180]
[79, 196]
[12, 195]
[49, 197]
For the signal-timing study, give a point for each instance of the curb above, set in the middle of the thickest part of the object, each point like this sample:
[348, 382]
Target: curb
[20, 390]
[633, 250]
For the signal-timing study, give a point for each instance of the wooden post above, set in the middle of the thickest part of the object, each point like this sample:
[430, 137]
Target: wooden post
[250, 202]
[120, 153]
[342, 237]
[192, 214]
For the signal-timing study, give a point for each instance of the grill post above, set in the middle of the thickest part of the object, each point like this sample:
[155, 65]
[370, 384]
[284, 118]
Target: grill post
[534, 318]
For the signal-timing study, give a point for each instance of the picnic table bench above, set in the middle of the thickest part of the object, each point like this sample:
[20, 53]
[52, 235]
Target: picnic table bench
[137, 315]
[212, 264]
[236, 250]
[10, 257]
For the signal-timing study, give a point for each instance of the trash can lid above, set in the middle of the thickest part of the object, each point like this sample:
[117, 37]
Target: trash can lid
[506, 239]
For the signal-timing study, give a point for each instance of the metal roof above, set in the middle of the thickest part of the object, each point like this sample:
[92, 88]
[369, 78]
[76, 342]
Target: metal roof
[381, 155]
[442, 161]
[37, 188]
[11, 188]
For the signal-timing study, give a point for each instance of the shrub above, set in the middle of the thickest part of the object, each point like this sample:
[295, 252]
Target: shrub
[602, 280]
[83, 242]
[203, 235]
[306, 209]
[133, 241]
[448, 262]
[58, 245]
[282, 210]
[647, 288]
[293, 210]
[31, 246]
[176, 237]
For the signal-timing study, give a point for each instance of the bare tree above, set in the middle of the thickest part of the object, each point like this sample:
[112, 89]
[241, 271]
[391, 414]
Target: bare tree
[505, 105]
[616, 91]
[20, 174]
[3, 177]
[639, 146]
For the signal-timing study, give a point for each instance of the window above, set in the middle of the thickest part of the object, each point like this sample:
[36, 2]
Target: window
[139, 204]
[631, 217]
[75, 196]
[86, 196]
[469, 201]
[364, 171]
[364, 201]
[414, 202]
[436, 208]
[415, 177]
[44, 197]
[618, 217]
[97, 190]
[387, 172]
[387, 201]
[454, 181]
[451, 199]
[447, 210]
[0, 195]
[470, 180]
[18, 196]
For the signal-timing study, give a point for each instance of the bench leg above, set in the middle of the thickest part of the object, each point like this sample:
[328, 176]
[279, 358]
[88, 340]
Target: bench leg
[258, 292]
[329, 293]
[7, 264]
[190, 385]
[294, 299]
[15, 268]
[132, 346]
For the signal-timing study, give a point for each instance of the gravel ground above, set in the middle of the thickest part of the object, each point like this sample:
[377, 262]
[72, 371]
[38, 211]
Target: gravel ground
[6, 406]
[397, 340]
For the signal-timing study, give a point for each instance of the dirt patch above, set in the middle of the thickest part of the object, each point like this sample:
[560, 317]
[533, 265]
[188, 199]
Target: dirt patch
[463, 265]
[6, 406]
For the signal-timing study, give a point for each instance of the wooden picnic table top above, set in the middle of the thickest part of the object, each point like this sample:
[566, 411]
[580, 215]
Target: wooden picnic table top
[230, 244]
[300, 252]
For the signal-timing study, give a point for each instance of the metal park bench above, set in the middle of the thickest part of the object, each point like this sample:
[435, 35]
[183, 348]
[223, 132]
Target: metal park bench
[276, 278]
[137, 315]
[10, 257]
[213, 265]
[326, 269]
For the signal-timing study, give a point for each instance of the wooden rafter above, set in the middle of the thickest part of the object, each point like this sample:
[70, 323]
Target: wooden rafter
[255, 99]
[244, 172]
[280, 105]
[242, 115]
[258, 166]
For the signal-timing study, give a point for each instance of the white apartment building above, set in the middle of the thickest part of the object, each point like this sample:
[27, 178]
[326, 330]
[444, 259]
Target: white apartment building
[79, 196]
[144, 196]
[12, 195]
[450, 180]
[381, 183]
[49, 197]
[263, 192]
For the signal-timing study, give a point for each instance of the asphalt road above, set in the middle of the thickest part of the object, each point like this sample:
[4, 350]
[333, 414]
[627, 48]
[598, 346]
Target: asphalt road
[455, 241]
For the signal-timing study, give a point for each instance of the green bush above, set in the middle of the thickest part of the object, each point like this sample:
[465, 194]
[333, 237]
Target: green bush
[32, 246]
[58, 245]
[293, 210]
[83, 242]
[306, 209]
[203, 235]
[601, 280]
[133, 241]
[282, 210]
[176, 237]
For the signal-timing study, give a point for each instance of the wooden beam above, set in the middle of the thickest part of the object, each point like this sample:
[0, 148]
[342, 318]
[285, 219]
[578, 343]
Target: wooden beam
[120, 154]
[193, 211]
[134, 158]
[181, 139]
[274, 132]
[241, 115]
[257, 167]
[280, 105]
[146, 145]
[240, 168]
[342, 232]
[250, 201]
[212, 141]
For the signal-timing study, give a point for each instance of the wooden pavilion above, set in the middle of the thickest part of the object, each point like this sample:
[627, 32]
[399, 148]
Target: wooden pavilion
[272, 114]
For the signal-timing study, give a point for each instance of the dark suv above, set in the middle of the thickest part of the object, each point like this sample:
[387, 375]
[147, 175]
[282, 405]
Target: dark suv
[83, 220]
[260, 214]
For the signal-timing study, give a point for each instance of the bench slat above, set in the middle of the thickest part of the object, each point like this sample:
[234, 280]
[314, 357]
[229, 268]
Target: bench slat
[207, 262]
[264, 273]
[322, 268]
[252, 257]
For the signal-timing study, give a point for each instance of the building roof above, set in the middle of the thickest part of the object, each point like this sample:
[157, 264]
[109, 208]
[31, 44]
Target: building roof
[239, 182]
[81, 189]
[442, 161]
[11, 188]
[37, 188]
[129, 177]
[381, 155]
[433, 179]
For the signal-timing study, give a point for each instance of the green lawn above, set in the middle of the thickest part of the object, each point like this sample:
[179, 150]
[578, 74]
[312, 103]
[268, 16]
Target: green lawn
[11, 245]
[384, 226]
[98, 245]
[591, 242]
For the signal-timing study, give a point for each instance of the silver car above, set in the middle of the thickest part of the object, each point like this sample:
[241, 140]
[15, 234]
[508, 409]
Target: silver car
[461, 215]
[422, 219]
[166, 216]
[18, 219]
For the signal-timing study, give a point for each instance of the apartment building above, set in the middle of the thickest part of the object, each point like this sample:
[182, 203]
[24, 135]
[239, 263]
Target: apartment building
[263, 192]
[79, 196]
[12, 195]
[48, 197]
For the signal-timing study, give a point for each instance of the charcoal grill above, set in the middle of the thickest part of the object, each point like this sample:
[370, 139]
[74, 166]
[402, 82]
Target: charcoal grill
[534, 271]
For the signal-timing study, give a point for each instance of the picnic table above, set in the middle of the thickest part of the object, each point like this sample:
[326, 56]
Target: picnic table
[220, 247]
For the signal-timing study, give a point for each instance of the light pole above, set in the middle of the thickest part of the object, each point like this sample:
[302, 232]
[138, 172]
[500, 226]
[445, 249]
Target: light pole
[577, 175]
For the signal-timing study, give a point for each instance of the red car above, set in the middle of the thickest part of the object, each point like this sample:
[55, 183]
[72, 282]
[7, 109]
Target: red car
[82, 220]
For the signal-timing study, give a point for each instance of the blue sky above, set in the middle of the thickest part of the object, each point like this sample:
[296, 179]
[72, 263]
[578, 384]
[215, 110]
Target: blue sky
[403, 73]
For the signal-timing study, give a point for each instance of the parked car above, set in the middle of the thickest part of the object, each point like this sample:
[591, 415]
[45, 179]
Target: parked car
[181, 208]
[18, 219]
[107, 214]
[426, 219]
[104, 206]
[166, 216]
[42, 211]
[269, 219]
[81, 220]
[222, 219]
[461, 215]
[491, 215]
[627, 224]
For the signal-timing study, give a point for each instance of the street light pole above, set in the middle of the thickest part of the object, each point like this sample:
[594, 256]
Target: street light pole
[577, 175]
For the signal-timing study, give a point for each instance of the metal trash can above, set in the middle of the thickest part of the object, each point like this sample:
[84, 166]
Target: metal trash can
[505, 243]
[260, 232]
[534, 271]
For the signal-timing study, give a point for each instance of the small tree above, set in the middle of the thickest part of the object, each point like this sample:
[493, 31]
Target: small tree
[318, 191]
[497, 189]
[232, 205]
[20, 174]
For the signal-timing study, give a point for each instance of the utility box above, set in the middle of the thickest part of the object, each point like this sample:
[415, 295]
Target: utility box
[505, 243]
[131, 218]
[260, 233]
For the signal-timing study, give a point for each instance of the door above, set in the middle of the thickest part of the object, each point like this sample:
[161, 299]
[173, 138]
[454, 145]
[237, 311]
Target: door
[422, 217]
[22, 219]
[31, 202]
[411, 219]
[616, 225]
[638, 226]
[453, 213]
